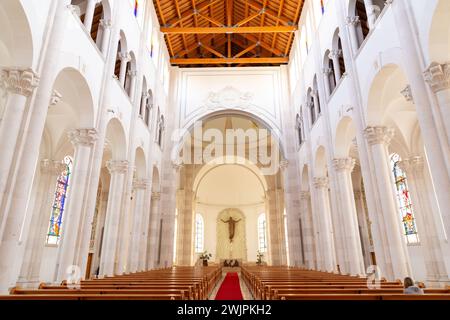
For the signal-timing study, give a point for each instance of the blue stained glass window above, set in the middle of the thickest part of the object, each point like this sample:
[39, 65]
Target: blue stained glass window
[322, 6]
[405, 205]
[59, 202]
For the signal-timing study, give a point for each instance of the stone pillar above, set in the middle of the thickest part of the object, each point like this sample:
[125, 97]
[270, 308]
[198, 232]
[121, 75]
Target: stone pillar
[118, 170]
[425, 219]
[106, 26]
[352, 23]
[83, 141]
[334, 56]
[133, 78]
[398, 264]
[144, 236]
[124, 58]
[364, 225]
[153, 247]
[89, 16]
[327, 74]
[19, 196]
[325, 230]
[137, 229]
[144, 102]
[19, 85]
[275, 225]
[309, 231]
[315, 94]
[371, 11]
[438, 78]
[354, 263]
[31, 265]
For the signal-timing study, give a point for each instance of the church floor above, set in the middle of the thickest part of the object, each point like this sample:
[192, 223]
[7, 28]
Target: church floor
[245, 291]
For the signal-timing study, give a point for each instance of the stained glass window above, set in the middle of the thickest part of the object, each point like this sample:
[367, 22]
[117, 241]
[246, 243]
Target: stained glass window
[199, 233]
[61, 192]
[262, 239]
[404, 201]
[136, 7]
[322, 6]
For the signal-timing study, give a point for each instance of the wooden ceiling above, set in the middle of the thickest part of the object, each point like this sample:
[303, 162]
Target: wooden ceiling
[212, 33]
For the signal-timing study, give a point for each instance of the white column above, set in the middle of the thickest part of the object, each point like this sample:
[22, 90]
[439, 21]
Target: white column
[438, 78]
[379, 139]
[430, 121]
[363, 222]
[327, 74]
[153, 235]
[83, 140]
[371, 13]
[334, 56]
[325, 230]
[352, 23]
[315, 94]
[308, 235]
[355, 262]
[144, 236]
[106, 26]
[124, 58]
[144, 102]
[133, 77]
[89, 16]
[31, 265]
[118, 170]
[425, 219]
[19, 84]
[137, 229]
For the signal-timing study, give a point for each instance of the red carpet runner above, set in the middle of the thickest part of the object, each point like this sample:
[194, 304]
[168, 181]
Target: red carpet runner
[230, 288]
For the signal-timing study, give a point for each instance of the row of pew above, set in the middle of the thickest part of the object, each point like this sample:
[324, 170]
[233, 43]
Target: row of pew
[286, 283]
[177, 283]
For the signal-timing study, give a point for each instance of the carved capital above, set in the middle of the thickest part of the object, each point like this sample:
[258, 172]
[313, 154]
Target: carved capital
[412, 165]
[284, 164]
[305, 195]
[124, 56]
[352, 20]
[344, 164]
[106, 24]
[156, 195]
[117, 166]
[52, 167]
[132, 73]
[55, 98]
[140, 184]
[84, 137]
[335, 54]
[326, 71]
[438, 76]
[19, 81]
[407, 94]
[379, 135]
[321, 182]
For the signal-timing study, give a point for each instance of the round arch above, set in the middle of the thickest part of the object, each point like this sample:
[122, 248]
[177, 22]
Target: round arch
[115, 135]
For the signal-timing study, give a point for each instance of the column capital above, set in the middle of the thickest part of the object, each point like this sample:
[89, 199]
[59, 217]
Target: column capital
[85, 137]
[335, 54]
[140, 184]
[320, 182]
[117, 166]
[55, 98]
[132, 73]
[19, 81]
[305, 195]
[53, 167]
[106, 24]
[344, 164]
[124, 56]
[326, 71]
[412, 165]
[407, 93]
[379, 135]
[438, 76]
[156, 195]
[352, 20]
[284, 164]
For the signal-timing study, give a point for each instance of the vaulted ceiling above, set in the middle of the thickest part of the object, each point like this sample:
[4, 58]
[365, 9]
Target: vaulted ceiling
[207, 33]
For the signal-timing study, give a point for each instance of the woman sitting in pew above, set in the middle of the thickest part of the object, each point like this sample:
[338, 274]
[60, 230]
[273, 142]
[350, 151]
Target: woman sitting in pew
[410, 288]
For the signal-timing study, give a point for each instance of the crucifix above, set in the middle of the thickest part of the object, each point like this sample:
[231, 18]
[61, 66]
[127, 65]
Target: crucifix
[231, 227]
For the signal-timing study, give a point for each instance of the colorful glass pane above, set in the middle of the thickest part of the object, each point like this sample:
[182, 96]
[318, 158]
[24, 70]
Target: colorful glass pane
[136, 7]
[62, 189]
[322, 6]
[404, 200]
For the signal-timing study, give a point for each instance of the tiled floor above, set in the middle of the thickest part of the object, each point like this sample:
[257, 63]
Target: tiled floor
[245, 291]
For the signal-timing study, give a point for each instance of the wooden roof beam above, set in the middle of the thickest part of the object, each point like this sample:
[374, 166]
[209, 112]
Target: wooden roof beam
[193, 61]
[230, 30]
[189, 13]
[250, 48]
[259, 6]
[264, 45]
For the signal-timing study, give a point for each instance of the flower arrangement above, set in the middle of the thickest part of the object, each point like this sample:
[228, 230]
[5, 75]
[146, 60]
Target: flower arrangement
[259, 258]
[205, 256]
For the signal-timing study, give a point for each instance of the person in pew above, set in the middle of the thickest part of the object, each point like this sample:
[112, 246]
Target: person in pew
[410, 287]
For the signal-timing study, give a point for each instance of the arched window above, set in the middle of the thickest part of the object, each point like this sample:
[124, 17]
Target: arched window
[199, 234]
[61, 192]
[148, 107]
[262, 230]
[299, 128]
[311, 107]
[160, 131]
[405, 205]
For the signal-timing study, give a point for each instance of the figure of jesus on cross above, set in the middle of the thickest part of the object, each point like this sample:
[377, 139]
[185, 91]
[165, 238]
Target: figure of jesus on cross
[231, 226]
